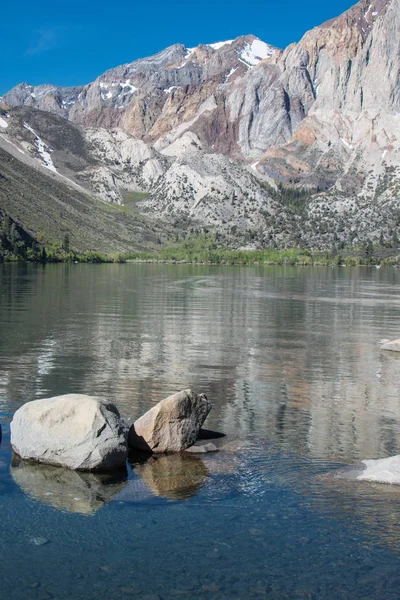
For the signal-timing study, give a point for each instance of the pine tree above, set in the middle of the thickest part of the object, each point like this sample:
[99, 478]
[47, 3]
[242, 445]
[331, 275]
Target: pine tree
[14, 239]
[368, 250]
[65, 244]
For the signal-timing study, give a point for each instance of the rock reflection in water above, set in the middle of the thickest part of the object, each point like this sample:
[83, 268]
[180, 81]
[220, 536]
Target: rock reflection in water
[175, 476]
[67, 490]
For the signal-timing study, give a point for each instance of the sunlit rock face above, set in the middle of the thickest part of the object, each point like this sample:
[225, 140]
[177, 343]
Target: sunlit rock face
[172, 425]
[67, 490]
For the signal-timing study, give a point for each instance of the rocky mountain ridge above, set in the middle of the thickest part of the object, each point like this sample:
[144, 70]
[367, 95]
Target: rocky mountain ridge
[136, 97]
[207, 133]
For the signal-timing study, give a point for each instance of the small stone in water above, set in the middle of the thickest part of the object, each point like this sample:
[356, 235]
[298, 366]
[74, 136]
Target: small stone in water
[132, 590]
[183, 589]
[202, 449]
[211, 587]
[39, 541]
[45, 595]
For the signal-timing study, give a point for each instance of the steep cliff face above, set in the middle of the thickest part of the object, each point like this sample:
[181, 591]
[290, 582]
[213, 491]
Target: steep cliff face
[348, 139]
[152, 96]
[204, 131]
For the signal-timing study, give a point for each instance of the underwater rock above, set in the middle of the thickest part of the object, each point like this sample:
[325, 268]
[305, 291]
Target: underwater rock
[172, 425]
[74, 431]
[39, 541]
[72, 491]
[201, 449]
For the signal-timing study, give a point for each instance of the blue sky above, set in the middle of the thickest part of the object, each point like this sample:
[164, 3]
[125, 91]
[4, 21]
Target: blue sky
[71, 42]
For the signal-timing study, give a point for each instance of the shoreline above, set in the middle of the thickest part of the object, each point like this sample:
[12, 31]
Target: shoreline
[328, 264]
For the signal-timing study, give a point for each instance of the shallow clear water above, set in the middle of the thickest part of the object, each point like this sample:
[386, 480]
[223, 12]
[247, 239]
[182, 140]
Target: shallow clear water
[291, 362]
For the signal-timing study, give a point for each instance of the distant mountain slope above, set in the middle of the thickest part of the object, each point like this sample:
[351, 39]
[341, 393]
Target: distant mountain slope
[183, 180]
[207, 133]
[48, 208]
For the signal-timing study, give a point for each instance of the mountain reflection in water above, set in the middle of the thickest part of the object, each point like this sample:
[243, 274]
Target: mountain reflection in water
[288, 354]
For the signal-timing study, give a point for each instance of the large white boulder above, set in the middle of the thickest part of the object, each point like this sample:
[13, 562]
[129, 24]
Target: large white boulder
[74, 431]
[172, 425]
[394, 345]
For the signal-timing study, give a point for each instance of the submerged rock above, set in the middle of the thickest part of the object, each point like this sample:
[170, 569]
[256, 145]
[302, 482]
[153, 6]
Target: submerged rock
[172, 425]
[74, 431]
[67, 490]
[394, 345]
[39, 541]
[202, 448]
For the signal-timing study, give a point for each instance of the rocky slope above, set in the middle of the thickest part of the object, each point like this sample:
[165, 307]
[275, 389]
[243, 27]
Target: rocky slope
[207, 132]
[45, 205]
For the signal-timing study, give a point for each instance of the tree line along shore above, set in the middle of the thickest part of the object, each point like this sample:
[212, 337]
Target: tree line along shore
[194, 249]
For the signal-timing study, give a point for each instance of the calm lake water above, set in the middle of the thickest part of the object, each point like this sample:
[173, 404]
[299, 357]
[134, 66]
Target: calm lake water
[290, 359]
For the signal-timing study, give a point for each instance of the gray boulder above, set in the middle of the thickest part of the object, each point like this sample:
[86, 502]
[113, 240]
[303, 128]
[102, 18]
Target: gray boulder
[394, 345]
[172, 425]
[74, 431]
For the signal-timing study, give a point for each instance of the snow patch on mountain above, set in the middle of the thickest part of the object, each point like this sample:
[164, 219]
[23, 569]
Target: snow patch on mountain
[189, 52]
[255, 52]
[43, 150]
[219, 45]
[231, 72]
[126, 85]
[3, 123]
[171, 89]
